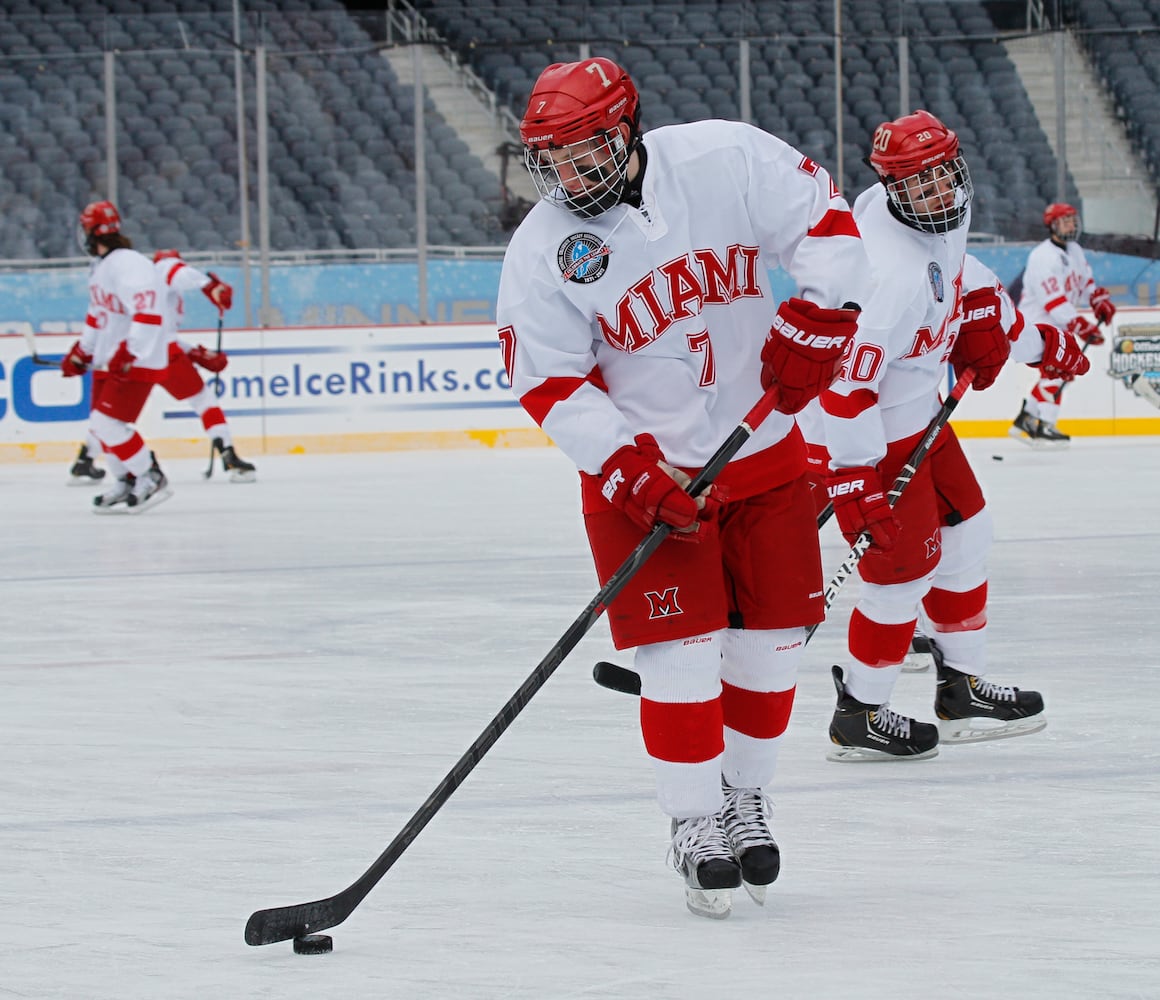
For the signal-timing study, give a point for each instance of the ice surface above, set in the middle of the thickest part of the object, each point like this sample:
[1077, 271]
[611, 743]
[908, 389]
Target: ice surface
[236, 700]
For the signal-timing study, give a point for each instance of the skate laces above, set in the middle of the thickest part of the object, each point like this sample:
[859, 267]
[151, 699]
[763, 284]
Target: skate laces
[890, 722]
[698, 840]
[744, 817]
[996, 692]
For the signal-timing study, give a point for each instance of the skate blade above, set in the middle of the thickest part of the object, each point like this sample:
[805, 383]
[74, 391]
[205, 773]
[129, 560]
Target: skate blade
[864, 755]
[716, 904]
[84, 481]
[984, 730]
[243, 477]
[151, 501]
[756, 892]
[117, 508]
[916, 663]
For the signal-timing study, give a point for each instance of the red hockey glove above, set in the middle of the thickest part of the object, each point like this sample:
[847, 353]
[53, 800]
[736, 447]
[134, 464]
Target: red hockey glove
[639, 482]
[121, 361]
[803, 351]
[76, 362]
[860, 504]
[982, 343]
[211, 361]
[219, 293]
[1086, 331]
[1102, 306]
[1062, 356]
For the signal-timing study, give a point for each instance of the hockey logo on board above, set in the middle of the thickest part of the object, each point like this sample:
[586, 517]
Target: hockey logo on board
[1135, 360]
[583, 258]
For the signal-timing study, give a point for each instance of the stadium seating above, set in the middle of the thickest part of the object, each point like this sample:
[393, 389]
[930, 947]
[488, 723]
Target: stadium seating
[1122, 40]
[341, 143]
[684, 57]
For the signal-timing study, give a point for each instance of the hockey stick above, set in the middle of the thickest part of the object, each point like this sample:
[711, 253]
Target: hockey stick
[30, 339]
[285, 922]
[1082, 350]
[217, 381]
[1142, 387]
[626, 681]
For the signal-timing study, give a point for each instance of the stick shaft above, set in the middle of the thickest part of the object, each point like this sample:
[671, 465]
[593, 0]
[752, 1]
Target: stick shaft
[282, 923]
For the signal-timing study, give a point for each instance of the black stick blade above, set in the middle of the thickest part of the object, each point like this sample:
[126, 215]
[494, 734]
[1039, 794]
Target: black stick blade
[283, 923]
[616, 678]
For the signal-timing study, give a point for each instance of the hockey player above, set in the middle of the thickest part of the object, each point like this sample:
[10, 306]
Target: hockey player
[638, 327]
[932, 303]
[123, 335]
[181, 379]
[1057, 282]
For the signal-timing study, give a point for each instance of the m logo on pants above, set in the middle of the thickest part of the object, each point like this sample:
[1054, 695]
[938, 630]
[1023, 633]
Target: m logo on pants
[663, 605]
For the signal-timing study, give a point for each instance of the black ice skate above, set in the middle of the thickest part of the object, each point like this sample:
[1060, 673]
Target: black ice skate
[84, 472]
[701, 852]
[148, 491]
[863, 732]
[1026, 427]
[918, 658]
[1048, 433]
[745, 818]
[971, 709]
[116, 496]
[239, 469]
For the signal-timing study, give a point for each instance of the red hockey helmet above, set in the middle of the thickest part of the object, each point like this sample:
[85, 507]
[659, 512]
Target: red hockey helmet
[574, 147]
[575, 101]
[1063, 221]
[100, 218]
[166, 255]
[917, 159]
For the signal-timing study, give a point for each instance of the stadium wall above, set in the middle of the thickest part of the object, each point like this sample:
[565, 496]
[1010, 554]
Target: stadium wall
[372, 385]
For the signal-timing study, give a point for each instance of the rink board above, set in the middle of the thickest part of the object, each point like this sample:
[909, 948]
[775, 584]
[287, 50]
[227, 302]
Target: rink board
[378, 388]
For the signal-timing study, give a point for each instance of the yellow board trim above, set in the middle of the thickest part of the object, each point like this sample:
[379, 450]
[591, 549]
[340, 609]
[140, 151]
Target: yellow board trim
[510, 437]
[306, 444]
[1081, 427]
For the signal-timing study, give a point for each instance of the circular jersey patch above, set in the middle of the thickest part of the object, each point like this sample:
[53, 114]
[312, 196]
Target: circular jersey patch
[583, 258]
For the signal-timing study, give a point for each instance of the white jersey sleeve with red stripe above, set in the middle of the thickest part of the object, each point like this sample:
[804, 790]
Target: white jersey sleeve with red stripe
[125, 305]
[1057, 282]
[176, 276]
[652, 319]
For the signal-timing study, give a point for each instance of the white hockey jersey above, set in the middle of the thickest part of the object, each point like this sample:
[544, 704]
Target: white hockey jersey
[653, 319]
[176, 276]
[890, 384]
[125, 305]
[1057, 282]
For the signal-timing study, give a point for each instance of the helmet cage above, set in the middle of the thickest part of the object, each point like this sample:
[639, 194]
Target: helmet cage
[920, 199]
[585, 177]
[1063, 222]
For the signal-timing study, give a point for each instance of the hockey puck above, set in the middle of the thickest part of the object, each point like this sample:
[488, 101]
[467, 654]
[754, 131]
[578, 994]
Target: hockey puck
[997, 458]
[314, 944]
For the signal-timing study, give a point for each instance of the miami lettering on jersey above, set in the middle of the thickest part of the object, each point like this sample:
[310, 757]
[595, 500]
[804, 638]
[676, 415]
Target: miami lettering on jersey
[677, 290]
[102, 298]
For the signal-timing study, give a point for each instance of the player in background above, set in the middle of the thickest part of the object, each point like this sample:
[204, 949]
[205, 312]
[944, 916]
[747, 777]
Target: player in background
[123, 335]
[932, 303]
[638, 328]
[1057, 282]
[182, 380]
[84, 470]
